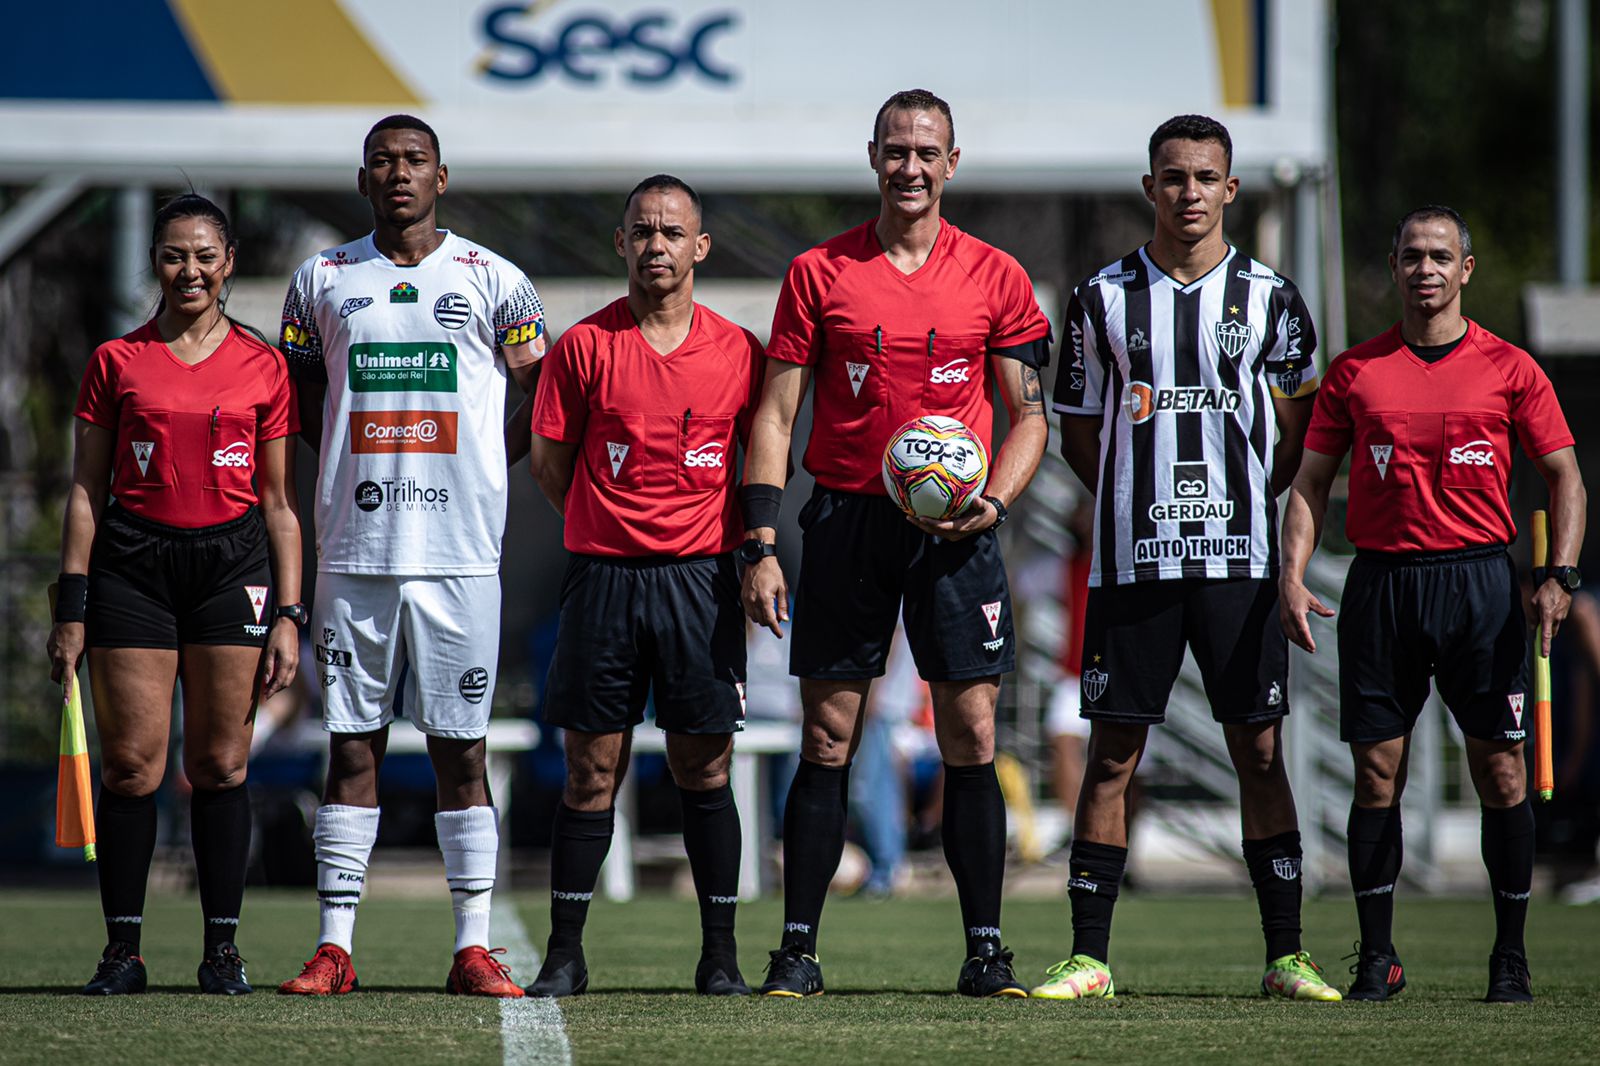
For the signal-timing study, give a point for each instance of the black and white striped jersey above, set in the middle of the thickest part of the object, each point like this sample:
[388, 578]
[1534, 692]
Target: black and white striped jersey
[1183, 377]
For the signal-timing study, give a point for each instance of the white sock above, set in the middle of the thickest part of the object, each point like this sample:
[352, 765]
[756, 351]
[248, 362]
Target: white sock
[470, 841]
[344, 837]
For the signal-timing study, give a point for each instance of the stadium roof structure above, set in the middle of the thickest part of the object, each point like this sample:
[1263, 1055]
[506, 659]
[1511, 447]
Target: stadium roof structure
[760, 94]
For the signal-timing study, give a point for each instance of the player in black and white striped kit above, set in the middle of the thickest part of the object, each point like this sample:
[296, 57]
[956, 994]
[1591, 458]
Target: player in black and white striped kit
[1184, 403]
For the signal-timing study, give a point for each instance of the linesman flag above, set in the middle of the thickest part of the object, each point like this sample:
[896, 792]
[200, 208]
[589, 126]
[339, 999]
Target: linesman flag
[74, 794]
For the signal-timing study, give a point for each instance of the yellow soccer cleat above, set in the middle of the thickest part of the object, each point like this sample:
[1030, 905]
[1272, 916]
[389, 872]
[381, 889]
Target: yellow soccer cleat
[1080, 977]
[1297, 977]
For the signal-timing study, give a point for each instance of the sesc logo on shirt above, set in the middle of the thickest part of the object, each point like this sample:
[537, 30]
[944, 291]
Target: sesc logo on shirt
[235, 454]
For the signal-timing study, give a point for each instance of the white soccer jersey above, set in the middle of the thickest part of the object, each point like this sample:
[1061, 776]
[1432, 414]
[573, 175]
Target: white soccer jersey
[1183, 377]
[413, 475]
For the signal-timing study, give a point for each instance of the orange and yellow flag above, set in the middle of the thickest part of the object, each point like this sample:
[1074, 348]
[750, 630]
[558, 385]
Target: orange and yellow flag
[74, 793]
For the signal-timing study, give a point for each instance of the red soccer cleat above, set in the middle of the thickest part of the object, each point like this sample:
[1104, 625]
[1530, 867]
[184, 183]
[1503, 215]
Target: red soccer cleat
[478, 973]
[329, 973]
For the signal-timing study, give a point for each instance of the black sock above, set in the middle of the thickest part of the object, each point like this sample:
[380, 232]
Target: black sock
[711, 837]
[219, 825]
[1376, 847]
[1275, 871]
[1093, 877]
[975, 848]
[125, 829]
[578, 847]
[1508, 853]
[813, 841]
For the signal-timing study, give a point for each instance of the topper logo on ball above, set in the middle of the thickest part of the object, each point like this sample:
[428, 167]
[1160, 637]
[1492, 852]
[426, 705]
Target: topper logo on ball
[645, 49]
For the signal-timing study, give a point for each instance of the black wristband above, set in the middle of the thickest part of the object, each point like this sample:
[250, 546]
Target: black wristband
[760, 505]
[72, 597]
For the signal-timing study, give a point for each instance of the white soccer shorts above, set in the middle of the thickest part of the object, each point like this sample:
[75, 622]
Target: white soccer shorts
[424, 647]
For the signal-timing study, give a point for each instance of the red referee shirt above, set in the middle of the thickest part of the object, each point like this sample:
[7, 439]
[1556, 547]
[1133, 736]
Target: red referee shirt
[1432, 442]
[186, 436]
[656, 433]
[887, 347]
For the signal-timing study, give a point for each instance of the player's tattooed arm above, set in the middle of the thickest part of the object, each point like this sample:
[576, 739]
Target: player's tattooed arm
[1032, 394]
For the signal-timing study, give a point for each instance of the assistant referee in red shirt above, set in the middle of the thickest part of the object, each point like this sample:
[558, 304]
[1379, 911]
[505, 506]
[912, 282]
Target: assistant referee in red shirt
[901, 316]
[640, 411]
[1427, 409]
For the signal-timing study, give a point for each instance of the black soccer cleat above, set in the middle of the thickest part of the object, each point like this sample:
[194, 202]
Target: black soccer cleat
[793, 974]
[718, 975]
[1379, 976]
[988, 975]
[563, 974]
[1508, 978]
[120, 973]
[222, 972]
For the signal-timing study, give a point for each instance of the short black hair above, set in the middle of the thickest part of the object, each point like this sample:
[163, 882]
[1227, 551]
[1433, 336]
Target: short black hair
[1191, 128]
[401, 122]
[1426, 213]
[665, 181]
[915, 100]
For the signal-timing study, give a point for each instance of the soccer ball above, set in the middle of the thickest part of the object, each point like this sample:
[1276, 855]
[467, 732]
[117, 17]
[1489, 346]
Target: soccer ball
[934, 467]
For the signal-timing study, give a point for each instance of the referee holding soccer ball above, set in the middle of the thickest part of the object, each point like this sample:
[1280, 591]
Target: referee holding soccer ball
[902, 316]
[1427, 411]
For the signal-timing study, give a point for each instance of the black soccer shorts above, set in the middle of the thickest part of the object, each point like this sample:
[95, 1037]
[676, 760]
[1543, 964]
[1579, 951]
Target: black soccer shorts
[158, 586]
[1134, 636]
[860, 558]
[1453, 616]
[632, 628]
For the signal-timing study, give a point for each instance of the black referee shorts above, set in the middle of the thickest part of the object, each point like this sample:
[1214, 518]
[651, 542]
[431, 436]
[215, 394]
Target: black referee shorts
[630, 627]
[158, 586]
[859, 559]
[1134, 636]
[1455, 617]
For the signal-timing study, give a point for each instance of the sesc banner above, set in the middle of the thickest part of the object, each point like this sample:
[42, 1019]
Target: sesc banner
[583, 93]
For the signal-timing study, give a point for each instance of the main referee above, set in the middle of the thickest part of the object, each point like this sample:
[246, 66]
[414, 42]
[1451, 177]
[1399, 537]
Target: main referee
[1427, 410]
[901, 316]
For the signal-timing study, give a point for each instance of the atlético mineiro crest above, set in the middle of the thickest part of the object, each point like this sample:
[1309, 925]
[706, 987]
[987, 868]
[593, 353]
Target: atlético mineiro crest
[1233, 336]
[1286, 869]
[258, 599]
[858, 375]
[991, 614]
[1381, 454]
[1094, 684]
[1515, 700]
[616, 453]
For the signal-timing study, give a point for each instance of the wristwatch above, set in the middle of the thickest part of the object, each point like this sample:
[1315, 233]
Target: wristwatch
[752, 551]
[1569, 578]
[295, 612]
[1001, 514]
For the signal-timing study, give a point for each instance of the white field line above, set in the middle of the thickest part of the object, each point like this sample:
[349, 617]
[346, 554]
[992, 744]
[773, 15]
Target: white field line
[531, 1030]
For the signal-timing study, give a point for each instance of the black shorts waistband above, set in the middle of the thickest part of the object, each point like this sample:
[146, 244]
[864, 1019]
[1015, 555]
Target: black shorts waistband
[118, 513]
[647, 562]
[1455, 555]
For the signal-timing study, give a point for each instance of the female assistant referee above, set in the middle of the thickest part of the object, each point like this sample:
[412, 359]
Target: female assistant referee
[181, 533]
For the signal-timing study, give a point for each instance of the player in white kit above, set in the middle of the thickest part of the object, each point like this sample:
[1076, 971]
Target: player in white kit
[400, 343]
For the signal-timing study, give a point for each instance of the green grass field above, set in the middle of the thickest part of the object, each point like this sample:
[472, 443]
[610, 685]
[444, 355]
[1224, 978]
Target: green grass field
[1187, 971]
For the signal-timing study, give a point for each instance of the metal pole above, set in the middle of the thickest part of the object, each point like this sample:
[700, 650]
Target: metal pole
[130, 259]
[1572, 196]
